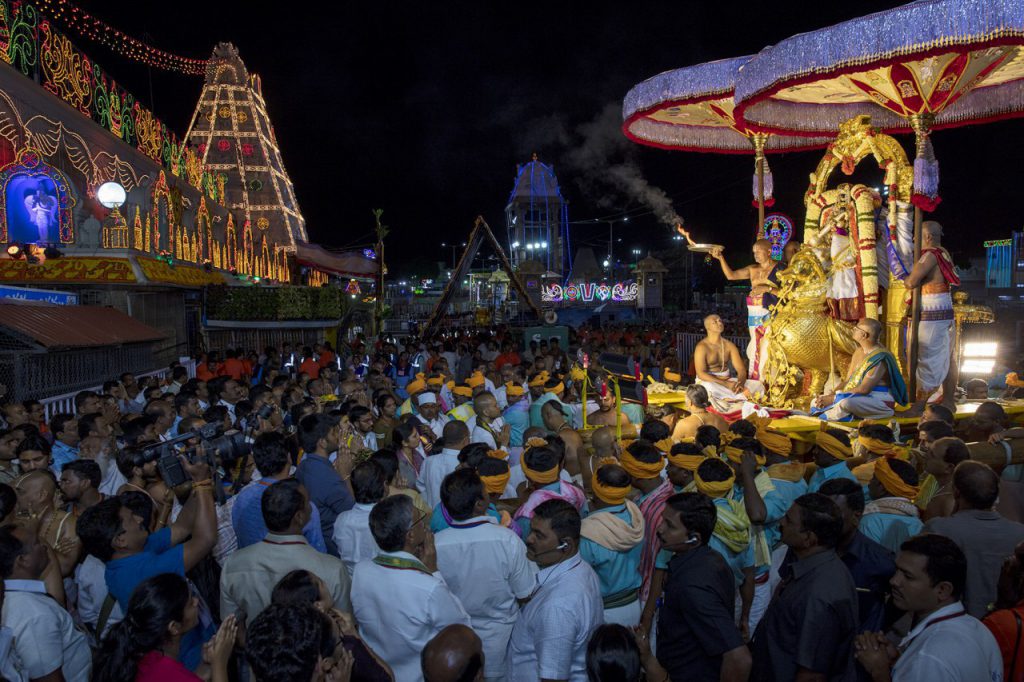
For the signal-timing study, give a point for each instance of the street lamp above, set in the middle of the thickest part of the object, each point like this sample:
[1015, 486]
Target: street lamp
[115, 232]
[453, 247]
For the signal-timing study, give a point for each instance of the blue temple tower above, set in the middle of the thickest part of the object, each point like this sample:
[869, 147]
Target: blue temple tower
[537, 218]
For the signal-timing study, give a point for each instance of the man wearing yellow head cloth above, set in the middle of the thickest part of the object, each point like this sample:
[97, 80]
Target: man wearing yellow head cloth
[413, 388]
[765, 507]
[683, 460]
[612, 540]
[463, 410]
[892, 517]
[553, 389]
[831, 451]
[732, 535]
[517, 414]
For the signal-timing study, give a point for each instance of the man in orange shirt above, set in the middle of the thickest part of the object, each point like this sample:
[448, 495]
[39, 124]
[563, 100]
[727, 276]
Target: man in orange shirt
[232, 366]
[508, 356]
[207, 369]
[327, 356]
[309, 366]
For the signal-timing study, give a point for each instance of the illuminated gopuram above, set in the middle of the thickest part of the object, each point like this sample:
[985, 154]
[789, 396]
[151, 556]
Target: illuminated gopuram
[537, 218]
[234, 138]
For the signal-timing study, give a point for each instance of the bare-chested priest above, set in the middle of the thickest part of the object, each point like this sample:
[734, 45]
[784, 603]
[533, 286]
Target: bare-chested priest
[763, 285]
[712, 358]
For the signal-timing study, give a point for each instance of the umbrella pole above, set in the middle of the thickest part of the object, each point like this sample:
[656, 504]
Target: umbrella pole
[759, 140]
[920, 124]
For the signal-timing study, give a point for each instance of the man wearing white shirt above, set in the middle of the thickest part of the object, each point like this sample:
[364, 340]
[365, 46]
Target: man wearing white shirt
[549, 640]
[45, 637]
[485, 566]
[399, 598]
[436, 467]
[352, 533]
[944, 642]
[362, 419]
[429, 412]
[490, 428]
[230, 393]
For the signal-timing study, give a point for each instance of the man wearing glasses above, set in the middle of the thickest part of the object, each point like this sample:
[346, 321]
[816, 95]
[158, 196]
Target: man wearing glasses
[399, 598]
[873, 384]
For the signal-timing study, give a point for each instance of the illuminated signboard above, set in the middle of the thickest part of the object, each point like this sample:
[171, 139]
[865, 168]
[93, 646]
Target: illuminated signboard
[587, 292]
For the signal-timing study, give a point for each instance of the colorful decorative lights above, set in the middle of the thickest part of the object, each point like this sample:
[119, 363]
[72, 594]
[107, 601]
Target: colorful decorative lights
[588, 292]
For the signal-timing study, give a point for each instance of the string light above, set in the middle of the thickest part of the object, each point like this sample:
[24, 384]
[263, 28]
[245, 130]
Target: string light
[88, 26]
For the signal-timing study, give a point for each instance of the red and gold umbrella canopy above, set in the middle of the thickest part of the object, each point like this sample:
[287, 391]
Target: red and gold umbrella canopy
[691, 109]
[927, 65]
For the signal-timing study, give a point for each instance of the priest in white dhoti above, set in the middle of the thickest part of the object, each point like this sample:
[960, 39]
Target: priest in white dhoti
[934, 273]
[712, 358]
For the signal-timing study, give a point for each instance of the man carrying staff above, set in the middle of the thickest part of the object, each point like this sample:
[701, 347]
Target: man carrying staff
[934, 273]
[712, 358]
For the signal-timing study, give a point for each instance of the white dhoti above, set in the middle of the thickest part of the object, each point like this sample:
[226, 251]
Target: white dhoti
[757, 315]
[843, 286]
[724, 399]
[628, 615]
[876, 405]
[934, 342]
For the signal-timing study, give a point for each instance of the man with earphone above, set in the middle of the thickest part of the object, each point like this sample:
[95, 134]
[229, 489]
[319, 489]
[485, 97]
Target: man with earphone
[549, 640]
[698, 638]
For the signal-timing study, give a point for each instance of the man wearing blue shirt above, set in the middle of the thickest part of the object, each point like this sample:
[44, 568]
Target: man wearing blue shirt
[327, 484]
[113, 534]
[831, 450]
[612, 540]
[271, 457]
[64, 427]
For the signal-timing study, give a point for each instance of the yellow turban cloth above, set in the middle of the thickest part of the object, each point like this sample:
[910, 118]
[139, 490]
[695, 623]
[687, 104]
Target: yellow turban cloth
[892, 482]
[773, 440]
[497, 454]
[464, 391]
[417, 385]
[577, 373]
[435, 382]
[540, 379]
[832, 445]
[883, 449]
[714, 488]
[476, 379]
[638, 469]
[495, 485]
[665, 445]
[674, 377]
[557, 388]
[606, 493]
[513, 390]
[539, 477]
[688, 462]
[735, 455]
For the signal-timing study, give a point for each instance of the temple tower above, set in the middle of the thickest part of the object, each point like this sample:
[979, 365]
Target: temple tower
[537, 218]
[234, 137]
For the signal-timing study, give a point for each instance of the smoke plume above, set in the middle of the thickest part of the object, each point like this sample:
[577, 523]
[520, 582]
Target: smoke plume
[601, 161]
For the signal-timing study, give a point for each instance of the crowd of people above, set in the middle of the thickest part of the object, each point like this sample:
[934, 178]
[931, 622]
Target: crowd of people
[473, 507]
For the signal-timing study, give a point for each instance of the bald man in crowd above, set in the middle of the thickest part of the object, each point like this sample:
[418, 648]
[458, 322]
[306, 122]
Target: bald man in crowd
[455, 654]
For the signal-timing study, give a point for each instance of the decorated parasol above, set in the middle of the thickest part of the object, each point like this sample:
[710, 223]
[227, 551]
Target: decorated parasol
[691, 109]
[924, 66]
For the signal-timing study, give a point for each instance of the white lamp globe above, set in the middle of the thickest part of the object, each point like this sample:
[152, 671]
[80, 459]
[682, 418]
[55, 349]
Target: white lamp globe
[111, 195]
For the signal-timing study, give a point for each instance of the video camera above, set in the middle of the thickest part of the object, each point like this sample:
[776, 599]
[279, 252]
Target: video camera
[218, 447]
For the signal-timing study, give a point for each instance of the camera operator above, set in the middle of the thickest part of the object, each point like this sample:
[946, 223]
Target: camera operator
[114, 535]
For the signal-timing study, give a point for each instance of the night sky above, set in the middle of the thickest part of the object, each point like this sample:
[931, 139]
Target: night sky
[424, 110]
